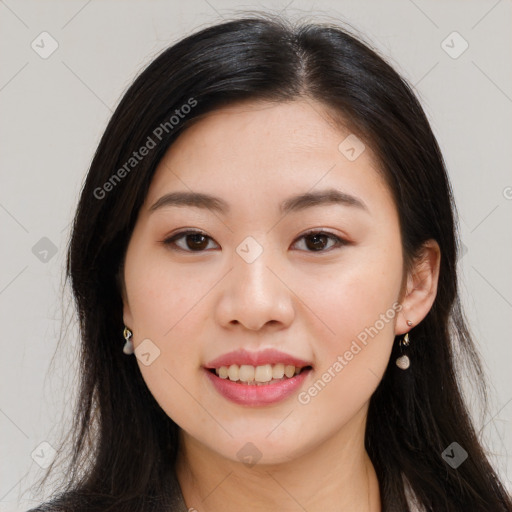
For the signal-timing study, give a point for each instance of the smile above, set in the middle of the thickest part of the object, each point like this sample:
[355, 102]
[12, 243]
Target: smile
[257, 375]
[253, 392]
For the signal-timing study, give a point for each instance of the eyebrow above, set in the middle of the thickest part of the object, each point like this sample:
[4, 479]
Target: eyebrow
[292, 204]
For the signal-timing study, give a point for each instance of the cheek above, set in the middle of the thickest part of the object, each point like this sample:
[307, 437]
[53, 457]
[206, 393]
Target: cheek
[355, 306]
[163, 303]
[162, 298]
[358, 309]
[165, 308]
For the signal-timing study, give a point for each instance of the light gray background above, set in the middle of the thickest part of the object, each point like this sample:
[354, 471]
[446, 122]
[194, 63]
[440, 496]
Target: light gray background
[54, 110]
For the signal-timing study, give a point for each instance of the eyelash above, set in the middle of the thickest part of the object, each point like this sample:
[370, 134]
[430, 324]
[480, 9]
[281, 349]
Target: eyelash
[171, 240]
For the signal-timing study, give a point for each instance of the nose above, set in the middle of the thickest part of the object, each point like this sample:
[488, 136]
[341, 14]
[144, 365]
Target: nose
[255, 294]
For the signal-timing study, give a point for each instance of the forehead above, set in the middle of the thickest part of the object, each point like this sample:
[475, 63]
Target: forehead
[275, 127]
[262, 150]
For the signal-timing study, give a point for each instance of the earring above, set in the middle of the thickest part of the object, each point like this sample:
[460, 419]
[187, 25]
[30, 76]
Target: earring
[128, 346]
[403, 362]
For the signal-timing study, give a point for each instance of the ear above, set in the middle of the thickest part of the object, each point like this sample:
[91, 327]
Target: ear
[121, 286]
[421, 287]
[127, 315]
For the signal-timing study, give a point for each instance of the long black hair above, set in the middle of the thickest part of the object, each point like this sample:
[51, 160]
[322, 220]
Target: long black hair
[124, 445]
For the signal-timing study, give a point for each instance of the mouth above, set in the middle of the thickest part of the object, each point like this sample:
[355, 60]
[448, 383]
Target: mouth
[262, 375]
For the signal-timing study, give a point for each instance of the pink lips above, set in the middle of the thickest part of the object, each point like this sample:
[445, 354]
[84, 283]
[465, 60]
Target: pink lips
[267, 356]
[252, 394]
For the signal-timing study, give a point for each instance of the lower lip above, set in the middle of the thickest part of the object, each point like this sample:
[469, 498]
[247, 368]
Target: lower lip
[254, 395]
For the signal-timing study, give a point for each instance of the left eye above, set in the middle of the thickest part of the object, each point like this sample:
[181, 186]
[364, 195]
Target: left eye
[196, 241]
[319, 240]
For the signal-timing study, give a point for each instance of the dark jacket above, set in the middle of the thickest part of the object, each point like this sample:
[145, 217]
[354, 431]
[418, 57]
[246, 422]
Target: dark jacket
[174, 502]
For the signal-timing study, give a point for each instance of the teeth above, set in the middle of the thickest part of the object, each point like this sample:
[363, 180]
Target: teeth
[245, 373]
[258, 374]
[233, 372]
[263, 373]
[289, 371]
[278, 371]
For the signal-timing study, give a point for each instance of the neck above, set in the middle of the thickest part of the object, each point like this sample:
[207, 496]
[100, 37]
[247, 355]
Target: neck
[336, 474]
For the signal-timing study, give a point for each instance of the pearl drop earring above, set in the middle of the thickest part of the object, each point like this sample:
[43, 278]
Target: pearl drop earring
[403, 362]
[128, 346]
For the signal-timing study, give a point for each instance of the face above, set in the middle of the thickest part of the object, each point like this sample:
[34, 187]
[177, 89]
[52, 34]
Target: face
[260, 276]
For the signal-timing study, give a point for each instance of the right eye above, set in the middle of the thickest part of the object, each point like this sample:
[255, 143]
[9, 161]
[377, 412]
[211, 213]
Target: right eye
[195, 241]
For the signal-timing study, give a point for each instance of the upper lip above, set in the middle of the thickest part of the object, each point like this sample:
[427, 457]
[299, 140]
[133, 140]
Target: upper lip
[260, 358]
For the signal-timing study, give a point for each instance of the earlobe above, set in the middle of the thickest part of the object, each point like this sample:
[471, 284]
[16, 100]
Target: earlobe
[421, 287]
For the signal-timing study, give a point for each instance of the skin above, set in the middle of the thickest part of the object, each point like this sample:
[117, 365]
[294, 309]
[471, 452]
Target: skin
[196, 306]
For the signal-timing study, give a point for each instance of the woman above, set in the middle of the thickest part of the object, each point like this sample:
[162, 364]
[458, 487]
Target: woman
[269, 224]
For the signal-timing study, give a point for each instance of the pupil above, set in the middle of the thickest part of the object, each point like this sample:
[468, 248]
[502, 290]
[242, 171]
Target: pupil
[197, 241]
[316, 239]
